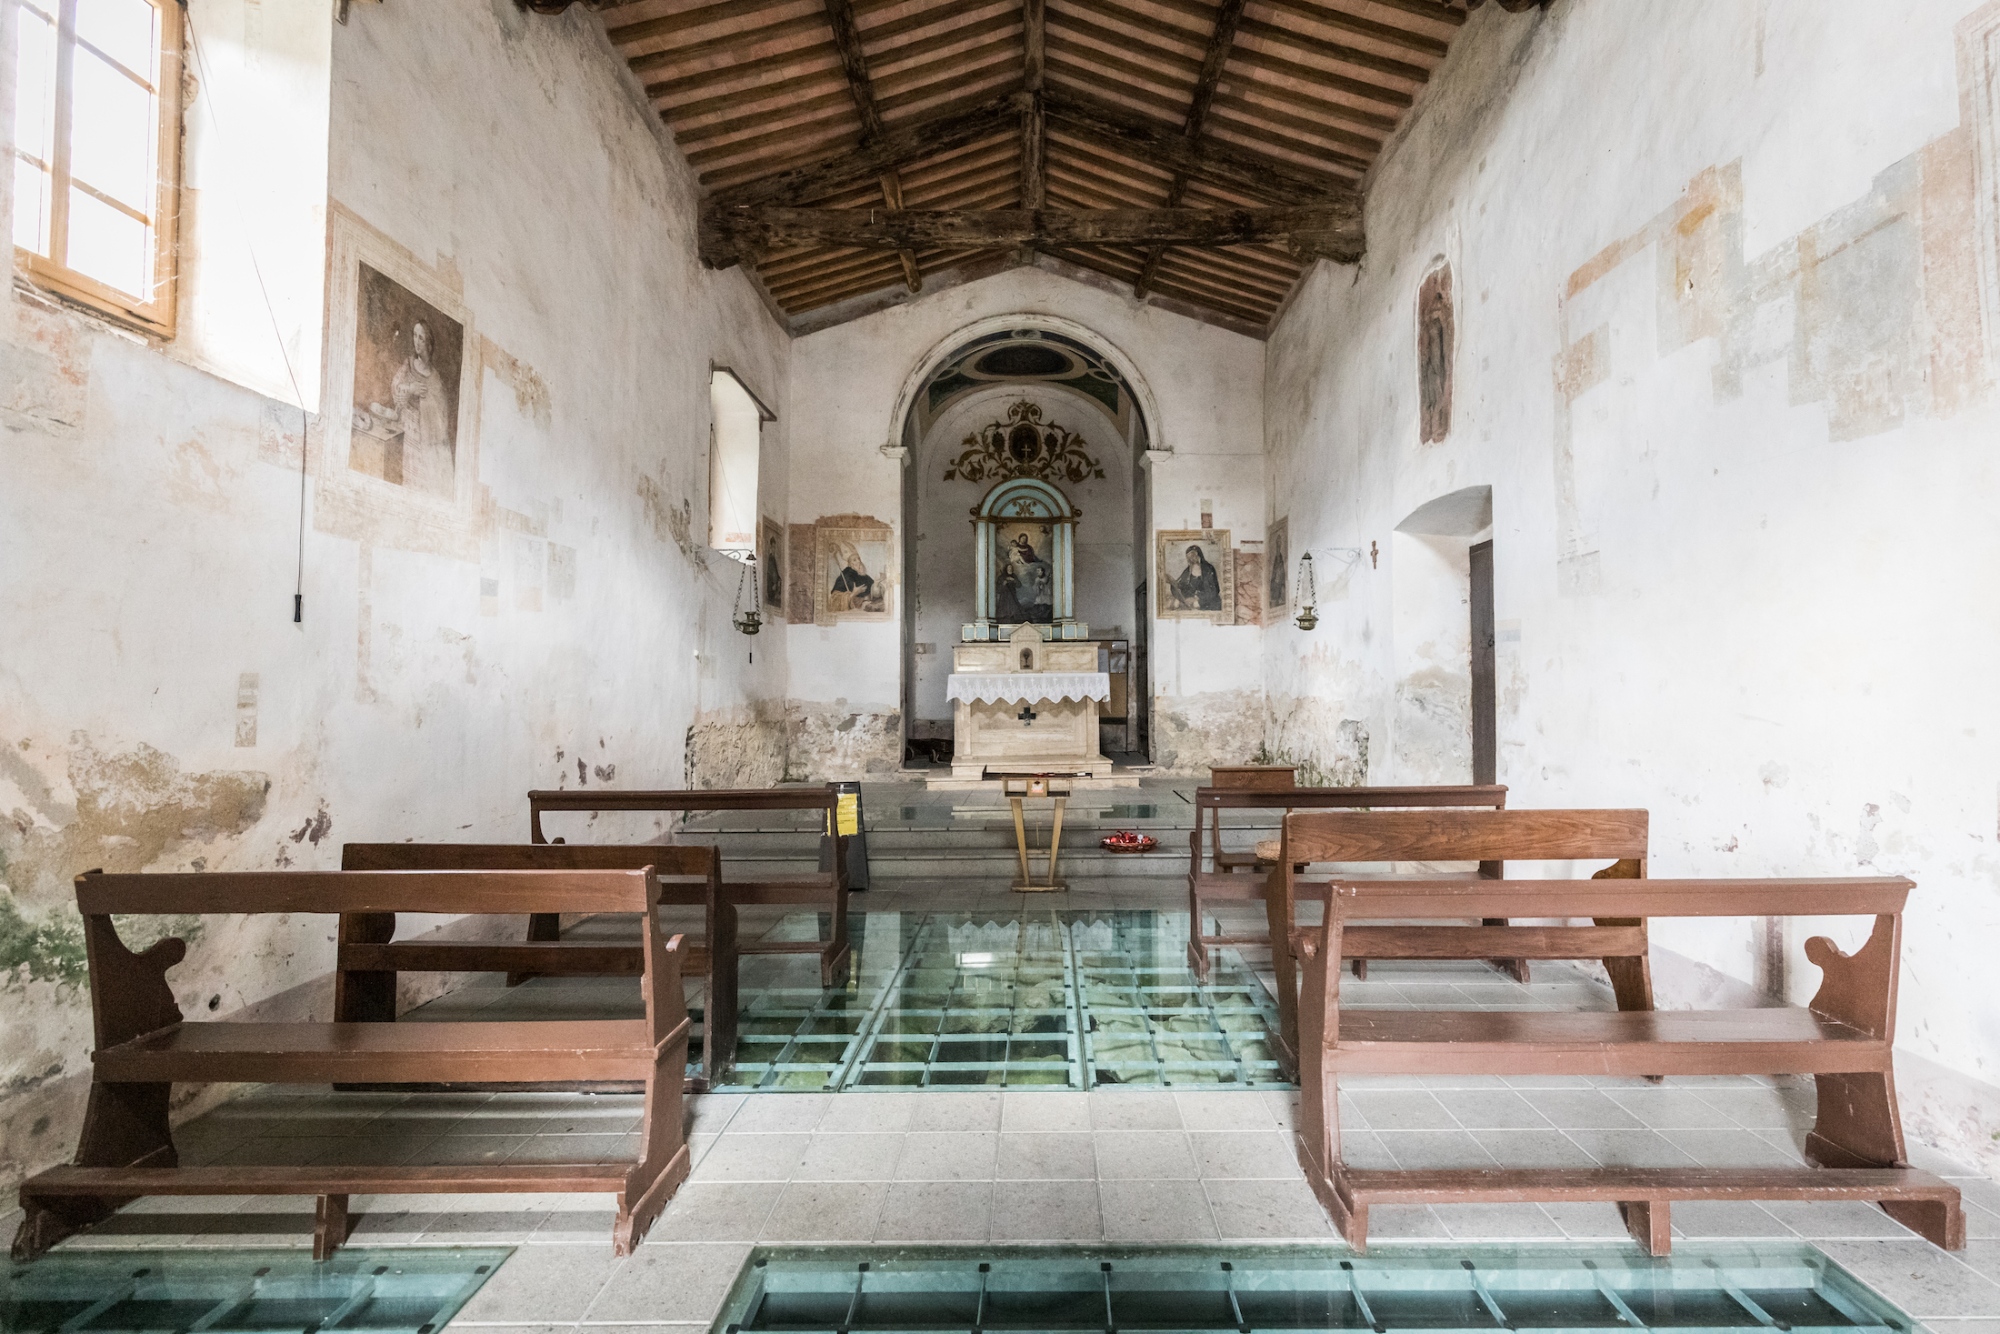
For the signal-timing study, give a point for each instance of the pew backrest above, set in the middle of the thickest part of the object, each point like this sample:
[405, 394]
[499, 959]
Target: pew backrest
[1464, 835]
[683, 800]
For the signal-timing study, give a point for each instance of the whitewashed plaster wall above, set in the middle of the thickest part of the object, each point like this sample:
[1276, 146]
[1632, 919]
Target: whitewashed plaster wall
[555, 623]
[1725, 322]
[1205, 409]
[1105, 571]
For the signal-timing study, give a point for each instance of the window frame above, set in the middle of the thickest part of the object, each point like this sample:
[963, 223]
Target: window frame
[765, 415]
[157, 316]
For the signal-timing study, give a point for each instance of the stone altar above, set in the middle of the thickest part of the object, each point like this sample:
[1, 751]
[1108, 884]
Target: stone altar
[1026, 706]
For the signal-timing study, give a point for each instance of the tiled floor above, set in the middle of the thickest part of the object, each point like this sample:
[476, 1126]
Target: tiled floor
[1023, 1165]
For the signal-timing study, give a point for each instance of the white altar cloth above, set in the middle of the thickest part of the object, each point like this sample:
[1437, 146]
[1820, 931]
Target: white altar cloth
[1027, 687]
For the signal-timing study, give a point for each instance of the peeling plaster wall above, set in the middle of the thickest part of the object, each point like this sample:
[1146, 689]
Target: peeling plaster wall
[1205, 409]
[1725, 281]
[556, 622]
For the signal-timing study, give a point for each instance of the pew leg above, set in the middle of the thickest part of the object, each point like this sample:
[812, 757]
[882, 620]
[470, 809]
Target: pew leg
[718, 1042]
[124, 1125]
[1198, 957]
[1514, 968]
[542, 926]
[1360, 970]
[663, 1152]
[1649, 1223]
[330, 1226]
[364, 997]
[1858, 1123]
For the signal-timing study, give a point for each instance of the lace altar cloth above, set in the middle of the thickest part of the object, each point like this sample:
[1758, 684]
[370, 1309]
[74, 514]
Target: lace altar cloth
[1027, 687]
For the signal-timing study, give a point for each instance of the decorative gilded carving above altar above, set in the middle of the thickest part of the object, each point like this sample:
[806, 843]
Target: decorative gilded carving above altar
[1023, 446]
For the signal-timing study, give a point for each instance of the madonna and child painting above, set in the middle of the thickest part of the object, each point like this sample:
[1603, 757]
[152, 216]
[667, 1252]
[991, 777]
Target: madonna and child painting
[1024, 584]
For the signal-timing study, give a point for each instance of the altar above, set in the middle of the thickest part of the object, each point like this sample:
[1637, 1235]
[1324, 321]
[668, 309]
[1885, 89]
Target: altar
[1026, 706]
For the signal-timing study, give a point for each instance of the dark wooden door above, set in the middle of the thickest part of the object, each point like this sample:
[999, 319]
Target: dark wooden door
[1485, 743]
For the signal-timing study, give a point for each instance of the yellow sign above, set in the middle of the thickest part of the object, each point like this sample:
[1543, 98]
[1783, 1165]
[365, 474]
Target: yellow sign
[847, 815]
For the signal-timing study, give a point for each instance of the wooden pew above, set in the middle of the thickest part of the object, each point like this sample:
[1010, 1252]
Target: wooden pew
[1240, 778]
[1486, 837]
[1240, 876]
[370, 957]
[1844, 1039]
[143, 1048]
[826, 890]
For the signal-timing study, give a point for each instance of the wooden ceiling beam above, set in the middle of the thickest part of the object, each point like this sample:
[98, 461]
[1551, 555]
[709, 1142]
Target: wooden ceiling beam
[894, 149]
[730, 235]
[1210, 159]
[1259, 31]
[675, 25]
[1034, 124]
[1228, 15]
[728, 51]
[1388, 34]
[847, 40]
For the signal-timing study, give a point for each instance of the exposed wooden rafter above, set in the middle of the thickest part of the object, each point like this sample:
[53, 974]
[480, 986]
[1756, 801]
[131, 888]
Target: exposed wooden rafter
[847, 40]
[1199, 151]
[1221, 41]
[1034, 126]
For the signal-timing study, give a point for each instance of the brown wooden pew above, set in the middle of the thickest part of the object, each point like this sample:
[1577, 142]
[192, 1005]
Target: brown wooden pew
[825, 890]
[1216, 874]
[1844, 1039]
[1499, 836]
[1241, 778]
[370, 957]
[143, 1048]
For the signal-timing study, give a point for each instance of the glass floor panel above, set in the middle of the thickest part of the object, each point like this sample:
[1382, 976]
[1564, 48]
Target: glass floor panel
[1787, 1286]
[1059, 1000]
[235, 1291]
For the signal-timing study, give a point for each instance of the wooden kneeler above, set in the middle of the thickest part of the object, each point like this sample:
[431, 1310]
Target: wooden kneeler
[1843, 1039]
[144, 1047]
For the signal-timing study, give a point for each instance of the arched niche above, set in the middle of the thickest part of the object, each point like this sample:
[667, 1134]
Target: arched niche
[1024, 562]
[955, 392]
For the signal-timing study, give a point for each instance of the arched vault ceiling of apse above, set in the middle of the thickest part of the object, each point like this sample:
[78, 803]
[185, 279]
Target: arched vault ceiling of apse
[1023, 357]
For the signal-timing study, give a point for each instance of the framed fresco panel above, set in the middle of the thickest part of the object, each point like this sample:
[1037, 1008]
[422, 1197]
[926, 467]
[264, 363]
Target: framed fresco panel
[408, 356]
[771, 561]
[1194, 572]
[854, 572]
[1277, 570]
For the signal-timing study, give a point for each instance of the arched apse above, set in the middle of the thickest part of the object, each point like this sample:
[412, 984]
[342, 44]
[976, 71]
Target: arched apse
[1066, 382]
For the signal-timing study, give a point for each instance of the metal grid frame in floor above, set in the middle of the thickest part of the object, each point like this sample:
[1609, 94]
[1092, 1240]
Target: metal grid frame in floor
[1784, 1286]
[234, 1291]
[1070, 1000]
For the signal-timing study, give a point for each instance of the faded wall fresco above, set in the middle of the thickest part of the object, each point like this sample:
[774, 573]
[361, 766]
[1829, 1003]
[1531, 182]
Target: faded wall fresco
[539, 615]
[1723, 276]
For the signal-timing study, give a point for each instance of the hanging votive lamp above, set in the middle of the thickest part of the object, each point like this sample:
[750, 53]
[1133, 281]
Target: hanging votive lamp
[1307, 594]
[747, 618]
